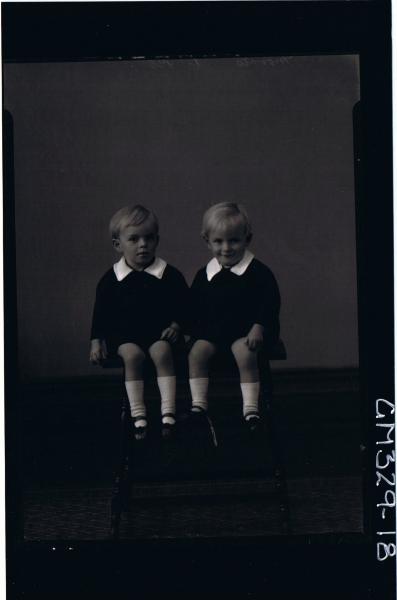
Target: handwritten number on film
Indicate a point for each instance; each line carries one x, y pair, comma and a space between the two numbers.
384, 464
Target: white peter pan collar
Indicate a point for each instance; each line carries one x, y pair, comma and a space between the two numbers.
157, 268
240, 268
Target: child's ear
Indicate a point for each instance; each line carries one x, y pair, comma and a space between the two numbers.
249, 238
116, 244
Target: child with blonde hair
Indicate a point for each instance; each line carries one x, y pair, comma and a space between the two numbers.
235, 304
138, 313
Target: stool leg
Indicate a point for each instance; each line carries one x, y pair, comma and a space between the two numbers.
278, 460
121, 481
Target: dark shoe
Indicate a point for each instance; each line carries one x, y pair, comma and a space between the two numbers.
168, 429
198, 416
254, 424
201, 426
140, 432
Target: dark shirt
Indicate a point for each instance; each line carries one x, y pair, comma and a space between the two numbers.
139, 307
226, 307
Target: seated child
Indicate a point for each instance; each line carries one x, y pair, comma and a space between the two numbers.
138, 312
235, 304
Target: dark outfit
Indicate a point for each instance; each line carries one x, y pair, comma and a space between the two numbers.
138, 308
226, 307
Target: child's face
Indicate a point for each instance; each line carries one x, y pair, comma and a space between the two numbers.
138, 244
228, 244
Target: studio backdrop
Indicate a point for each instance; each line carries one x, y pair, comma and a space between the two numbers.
275, 134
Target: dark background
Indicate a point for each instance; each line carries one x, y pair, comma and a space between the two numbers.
275, 133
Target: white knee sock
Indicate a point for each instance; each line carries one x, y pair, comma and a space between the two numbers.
137, 405
250, 393
167, 387
199, 391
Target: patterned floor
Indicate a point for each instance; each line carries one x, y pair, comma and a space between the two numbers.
317, 506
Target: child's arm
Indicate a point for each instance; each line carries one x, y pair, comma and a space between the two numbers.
98, 351
254, 339
265, 309
194, 304
178, 295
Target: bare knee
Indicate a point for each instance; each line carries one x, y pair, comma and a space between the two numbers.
246, 359
199, 358
132, 355
161, 354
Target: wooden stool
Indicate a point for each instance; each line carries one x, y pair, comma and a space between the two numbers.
225, 370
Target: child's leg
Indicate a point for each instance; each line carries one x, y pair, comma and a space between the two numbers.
199, 359
161, 355
247, 362
133, 358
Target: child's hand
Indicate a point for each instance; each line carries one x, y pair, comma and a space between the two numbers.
98, 352
254, 338
171, 333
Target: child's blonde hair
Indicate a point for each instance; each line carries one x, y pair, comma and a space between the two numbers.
223, 215
131, 215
